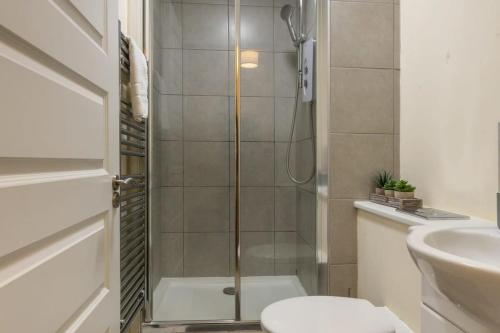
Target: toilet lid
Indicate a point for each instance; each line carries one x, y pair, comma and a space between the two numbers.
324, 314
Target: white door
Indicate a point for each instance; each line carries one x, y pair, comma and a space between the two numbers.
59, 242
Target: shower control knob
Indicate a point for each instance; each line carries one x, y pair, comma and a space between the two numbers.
306, 70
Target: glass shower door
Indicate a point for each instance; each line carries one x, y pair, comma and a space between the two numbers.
277, 215
192, 238
228, 236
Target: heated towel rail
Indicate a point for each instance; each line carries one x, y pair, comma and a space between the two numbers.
131, 197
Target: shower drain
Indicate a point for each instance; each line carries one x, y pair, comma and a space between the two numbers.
229, 291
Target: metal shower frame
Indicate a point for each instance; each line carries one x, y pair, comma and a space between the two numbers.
322, 108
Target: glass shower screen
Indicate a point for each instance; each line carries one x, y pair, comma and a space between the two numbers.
230, 232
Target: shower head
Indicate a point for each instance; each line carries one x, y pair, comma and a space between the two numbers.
286, 12
286, 15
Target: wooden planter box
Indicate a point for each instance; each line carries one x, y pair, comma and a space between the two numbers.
407, 204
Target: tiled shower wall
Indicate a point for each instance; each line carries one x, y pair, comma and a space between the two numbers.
195, 83
364, 127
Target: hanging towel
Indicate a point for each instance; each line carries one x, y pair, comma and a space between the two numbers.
138, 81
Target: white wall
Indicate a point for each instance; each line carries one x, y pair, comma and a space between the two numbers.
130, 15
450, 102
123, 14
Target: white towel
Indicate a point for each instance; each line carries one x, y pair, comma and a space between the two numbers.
138, 81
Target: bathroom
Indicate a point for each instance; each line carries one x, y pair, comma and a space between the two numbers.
247, 166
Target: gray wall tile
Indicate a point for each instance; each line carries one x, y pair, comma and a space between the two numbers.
286, 209
397, 101
206, 118
283, 109
305, 164
155, 27
280, 167
257, 253
286, 253
156, 250
303, 128
310, 13
171, 258
257, 119
157, 70
206, 164
256, 209
268, 3
205, 72
172, 203
362, 100
306, 266
204, 27
342, 232
257, 164
364, 40
374, 1
170, 110
171, 163
171, 25
306, 217
195, 74
281, 3
362, 34
256, 28
155, 113
213, 2
171, 71
285, 74
206, 209
206, 254
354, 160
343, 280
397, 37
254, 2
232, 251
254, 82
397, 157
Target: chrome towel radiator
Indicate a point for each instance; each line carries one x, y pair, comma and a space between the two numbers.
130, 194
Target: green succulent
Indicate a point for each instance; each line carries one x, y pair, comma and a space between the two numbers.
382, 178
404, 186
390, 184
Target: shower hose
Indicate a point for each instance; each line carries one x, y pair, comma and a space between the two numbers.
289, 147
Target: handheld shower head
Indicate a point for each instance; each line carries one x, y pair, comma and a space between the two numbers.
286, 12
286, 15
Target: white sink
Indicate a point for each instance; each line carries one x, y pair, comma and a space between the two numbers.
463, 264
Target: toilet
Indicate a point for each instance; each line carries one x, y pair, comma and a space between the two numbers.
328, 314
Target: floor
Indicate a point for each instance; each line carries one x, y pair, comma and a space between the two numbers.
203, 299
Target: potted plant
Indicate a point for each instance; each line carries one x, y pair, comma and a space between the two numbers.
404, 190
389, 188
381, 179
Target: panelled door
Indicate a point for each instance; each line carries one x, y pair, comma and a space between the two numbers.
59, 241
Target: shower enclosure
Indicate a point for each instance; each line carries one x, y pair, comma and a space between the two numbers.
232, 160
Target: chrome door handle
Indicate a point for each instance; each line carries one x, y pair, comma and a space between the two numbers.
117, 182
